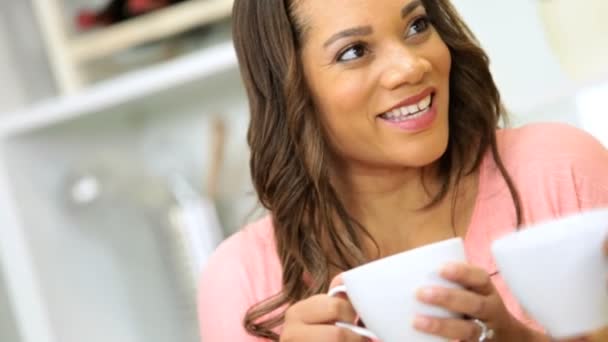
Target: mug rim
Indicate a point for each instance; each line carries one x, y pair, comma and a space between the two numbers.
574, 222
411, 252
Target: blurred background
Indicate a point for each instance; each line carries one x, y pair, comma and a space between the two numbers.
123, 159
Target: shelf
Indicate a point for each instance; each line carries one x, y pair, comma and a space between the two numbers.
68, 54
147, 28
121, 90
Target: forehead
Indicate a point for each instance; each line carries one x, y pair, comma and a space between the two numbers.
321, 16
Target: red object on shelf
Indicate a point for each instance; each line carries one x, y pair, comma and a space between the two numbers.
144, 6
119, 10
87, 19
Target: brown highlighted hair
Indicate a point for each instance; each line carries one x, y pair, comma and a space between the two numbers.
289, 154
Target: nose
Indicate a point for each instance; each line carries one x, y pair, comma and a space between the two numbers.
404, 66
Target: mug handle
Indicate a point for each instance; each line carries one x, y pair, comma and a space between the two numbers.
354, 328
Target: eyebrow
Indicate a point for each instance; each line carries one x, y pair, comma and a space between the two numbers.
355, 31
409, 8
367, 30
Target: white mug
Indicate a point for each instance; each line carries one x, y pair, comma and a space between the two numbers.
558, 273
383, 292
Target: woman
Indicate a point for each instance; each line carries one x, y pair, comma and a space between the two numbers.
373, 131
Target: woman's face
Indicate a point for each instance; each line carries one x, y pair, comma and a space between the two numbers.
379, 76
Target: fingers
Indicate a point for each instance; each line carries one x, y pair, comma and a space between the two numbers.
469, 276
313, 320
321, 309
456, 300
453, 329
320, 333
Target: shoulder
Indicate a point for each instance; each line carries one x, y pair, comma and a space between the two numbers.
556, 165
550, 144
258, 234
243, 271
242, 252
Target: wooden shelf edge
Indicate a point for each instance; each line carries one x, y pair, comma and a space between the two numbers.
154, 26
113, 93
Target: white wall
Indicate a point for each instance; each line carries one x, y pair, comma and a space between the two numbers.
523, 40
25, 75
8, 328
11, 87
591, 105
11, 97
522, 62
578, 31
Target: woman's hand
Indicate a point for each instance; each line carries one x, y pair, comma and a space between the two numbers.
478, 300
313, 319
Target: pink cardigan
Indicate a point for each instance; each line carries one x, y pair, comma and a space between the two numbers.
557, 170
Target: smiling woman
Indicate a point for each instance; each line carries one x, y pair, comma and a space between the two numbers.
374, 130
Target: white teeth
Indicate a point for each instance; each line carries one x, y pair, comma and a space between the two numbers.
424, 103
410, 111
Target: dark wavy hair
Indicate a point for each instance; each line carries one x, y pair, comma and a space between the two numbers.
290, 155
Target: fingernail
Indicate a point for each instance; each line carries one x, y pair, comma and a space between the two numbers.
451, 270
423, 323
428, 294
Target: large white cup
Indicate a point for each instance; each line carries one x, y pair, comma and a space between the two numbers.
557, 272
383, 292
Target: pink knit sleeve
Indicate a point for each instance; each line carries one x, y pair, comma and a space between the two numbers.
566, 169
589, 169
225, 294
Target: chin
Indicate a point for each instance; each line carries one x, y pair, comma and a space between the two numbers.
423, 157
425, 150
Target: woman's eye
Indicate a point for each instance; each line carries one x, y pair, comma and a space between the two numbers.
352, 53
419, 26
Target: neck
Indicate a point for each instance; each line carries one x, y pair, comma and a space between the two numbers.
392, 204
408, 189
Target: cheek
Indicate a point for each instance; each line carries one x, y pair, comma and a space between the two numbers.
438, 54
442, 59
346, 95
345, 107
345, 112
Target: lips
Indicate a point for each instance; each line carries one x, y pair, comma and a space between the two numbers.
415, 114
409, 111
410, 107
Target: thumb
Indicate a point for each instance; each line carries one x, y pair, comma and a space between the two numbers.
336, 281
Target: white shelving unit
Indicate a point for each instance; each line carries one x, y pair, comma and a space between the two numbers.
68, 53
106, 272
140, 85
